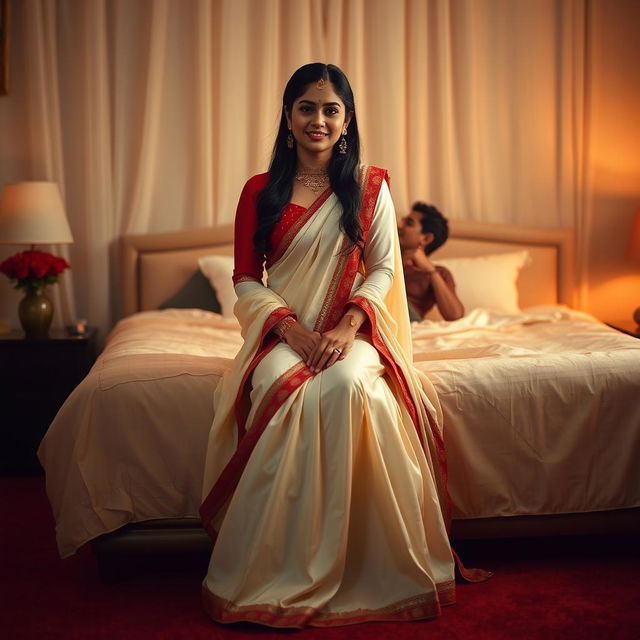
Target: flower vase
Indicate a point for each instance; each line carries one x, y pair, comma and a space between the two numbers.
35, 312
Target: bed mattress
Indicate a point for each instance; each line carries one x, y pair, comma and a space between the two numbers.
541, 415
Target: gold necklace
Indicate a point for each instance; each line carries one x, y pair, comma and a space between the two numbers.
315, 181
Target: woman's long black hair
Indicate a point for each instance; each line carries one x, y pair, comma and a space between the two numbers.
343, 168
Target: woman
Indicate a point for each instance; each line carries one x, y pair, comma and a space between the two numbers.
322, 478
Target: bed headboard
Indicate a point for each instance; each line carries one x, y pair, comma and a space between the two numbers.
155, 265
549, 278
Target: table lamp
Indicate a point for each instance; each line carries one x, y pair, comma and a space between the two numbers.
32, 213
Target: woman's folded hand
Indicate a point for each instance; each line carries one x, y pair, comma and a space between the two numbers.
301, 340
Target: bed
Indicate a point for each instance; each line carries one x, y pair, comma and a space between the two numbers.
540, 403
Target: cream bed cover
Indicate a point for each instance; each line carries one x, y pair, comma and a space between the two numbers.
541, 415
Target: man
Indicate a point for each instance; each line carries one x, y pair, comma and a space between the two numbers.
421, 232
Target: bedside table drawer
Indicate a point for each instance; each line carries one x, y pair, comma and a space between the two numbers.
41, 366
36, 378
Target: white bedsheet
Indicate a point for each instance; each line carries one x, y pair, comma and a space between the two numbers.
541, 411
541, 415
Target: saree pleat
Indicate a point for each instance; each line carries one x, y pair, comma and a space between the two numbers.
325, 506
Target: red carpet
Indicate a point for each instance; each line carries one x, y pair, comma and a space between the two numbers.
561, 588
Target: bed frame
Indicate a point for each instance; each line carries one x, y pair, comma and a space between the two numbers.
155, 266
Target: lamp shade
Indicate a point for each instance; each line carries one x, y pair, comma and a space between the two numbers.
33, 213
633, 248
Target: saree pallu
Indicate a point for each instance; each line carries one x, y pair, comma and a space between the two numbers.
323, 492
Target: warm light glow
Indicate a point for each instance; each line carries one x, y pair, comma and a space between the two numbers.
633, 248
615, 298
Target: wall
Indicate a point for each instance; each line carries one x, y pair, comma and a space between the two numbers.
14, 155
614, 154
611, 143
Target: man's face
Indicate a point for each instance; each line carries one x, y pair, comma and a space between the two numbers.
410, 231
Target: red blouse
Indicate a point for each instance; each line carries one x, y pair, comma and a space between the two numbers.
248, 263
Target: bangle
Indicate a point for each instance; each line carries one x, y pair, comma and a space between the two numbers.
283, 326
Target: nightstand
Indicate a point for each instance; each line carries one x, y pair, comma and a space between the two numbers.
36, 376
626, 326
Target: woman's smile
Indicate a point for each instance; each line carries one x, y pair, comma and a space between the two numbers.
317, 135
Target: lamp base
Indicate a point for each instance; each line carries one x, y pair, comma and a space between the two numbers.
35, 312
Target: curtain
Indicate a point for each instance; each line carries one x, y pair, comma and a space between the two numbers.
152, 114
40, 139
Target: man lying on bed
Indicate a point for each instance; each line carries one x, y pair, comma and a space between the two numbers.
421, 232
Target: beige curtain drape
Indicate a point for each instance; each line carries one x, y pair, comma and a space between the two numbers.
152, 114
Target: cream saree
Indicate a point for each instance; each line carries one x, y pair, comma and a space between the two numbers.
324, 493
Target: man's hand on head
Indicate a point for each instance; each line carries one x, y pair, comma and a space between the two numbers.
419, 261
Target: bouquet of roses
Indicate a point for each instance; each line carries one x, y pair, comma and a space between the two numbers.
33, 269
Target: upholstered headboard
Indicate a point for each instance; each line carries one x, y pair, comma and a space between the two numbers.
549, 277
155, 265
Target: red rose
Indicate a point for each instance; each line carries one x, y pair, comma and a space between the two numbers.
32, 266
38, 266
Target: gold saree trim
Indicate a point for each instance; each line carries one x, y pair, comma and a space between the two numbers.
418, 607
268, 342
226, 484
348, 264
245, 278
329, 300
279, 391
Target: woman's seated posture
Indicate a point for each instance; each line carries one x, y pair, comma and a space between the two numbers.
324, 484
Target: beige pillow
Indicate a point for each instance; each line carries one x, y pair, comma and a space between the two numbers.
219, 272
488, 281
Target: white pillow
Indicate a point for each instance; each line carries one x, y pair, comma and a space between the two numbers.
219, 272
487, 281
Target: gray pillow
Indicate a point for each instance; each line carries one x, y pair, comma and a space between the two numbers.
196, 293
414, 316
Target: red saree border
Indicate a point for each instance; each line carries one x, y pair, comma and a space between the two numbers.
468, 574
295, 228
267, 342
345, 272
331, 311
419, 607
228, 480
391, 364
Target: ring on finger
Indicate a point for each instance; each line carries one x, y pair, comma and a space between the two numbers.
336, 350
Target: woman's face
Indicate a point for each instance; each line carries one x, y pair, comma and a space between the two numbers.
317, 119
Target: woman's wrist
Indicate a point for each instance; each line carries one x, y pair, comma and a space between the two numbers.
353, 318
283, 327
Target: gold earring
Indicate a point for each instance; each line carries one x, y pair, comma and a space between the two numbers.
290, 140
342, 145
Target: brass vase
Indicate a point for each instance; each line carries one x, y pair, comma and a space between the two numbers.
35, 312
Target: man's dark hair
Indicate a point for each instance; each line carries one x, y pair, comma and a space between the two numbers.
432, 222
